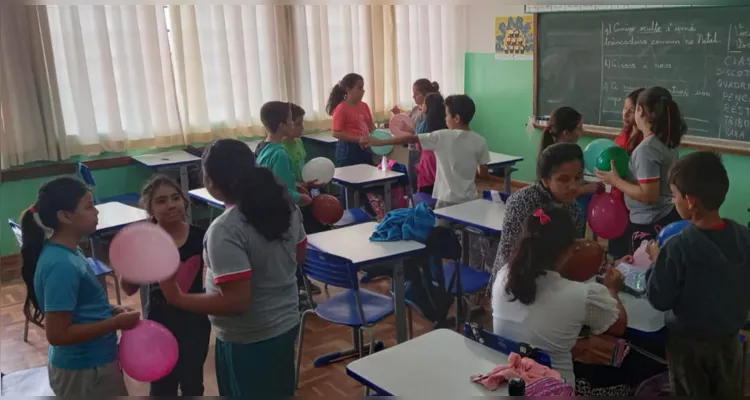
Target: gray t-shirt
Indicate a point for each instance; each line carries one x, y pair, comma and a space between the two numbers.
235, 250
651, 162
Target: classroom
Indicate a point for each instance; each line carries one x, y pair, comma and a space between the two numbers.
396, 200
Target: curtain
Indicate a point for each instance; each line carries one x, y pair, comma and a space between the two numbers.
31, 128
115, 77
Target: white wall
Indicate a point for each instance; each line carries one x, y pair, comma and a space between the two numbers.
482, 24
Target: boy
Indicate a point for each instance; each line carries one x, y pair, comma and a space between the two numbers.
701, 277
460, 152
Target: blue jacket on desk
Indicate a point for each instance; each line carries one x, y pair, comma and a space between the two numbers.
405, 224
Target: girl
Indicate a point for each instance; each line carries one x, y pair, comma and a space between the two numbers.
251, 251
532, 303
62, 290
631, 136
646, 190
165, 203
433, 108
421, 89
352, 120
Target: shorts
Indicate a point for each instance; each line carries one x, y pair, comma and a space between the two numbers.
104, 381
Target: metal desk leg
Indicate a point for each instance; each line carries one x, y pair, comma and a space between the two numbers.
185, 185
387, 196
354, 199
506, 175
101, 278
465, 259
398, 293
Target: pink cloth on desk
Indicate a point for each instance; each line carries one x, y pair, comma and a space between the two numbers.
518, 367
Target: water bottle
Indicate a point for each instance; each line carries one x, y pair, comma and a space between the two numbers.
516, 387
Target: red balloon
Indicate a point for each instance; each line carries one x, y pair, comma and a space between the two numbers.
327, 209
587, 259
608, 216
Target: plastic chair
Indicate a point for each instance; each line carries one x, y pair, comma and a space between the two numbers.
353, 216
85, 174
357, 308
420, 198
506, 346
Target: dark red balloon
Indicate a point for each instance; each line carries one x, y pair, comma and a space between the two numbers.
327, 209
587, 259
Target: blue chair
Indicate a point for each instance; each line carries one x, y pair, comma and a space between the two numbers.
505, 346
353, 216
472, 280
84, 173
420, 198
357, 308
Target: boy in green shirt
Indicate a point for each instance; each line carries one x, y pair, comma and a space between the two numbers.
293, 144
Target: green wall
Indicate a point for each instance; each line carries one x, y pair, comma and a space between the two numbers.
503, 92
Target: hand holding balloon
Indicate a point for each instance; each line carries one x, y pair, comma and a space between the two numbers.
653, 250
609, 177
171, 290
126, 320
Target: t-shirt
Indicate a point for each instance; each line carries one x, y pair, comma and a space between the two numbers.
354, 120
651, 162
458, 154
274, 156
296, 151
235, 250
64, 281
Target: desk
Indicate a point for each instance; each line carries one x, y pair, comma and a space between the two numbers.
114, 215
506, 162
253, 145
176, 159
361, 176
436, 365
353, 243
203, 195
325, 138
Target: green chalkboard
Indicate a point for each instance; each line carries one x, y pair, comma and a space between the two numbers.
592, 60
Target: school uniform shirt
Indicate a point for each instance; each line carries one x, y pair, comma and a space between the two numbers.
650, 163
458, 153
554, 320
273, 155
64, 282
354, 120
296, 150
235, 250
416, 116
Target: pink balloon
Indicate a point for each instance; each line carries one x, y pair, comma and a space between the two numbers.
607, 216
187, 271
640, 257
148, 352
144, 253
401, 125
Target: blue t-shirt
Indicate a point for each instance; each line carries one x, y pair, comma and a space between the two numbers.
64, 281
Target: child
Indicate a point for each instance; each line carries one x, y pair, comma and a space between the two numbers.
701, 277
251, 251
165, 203
460, 152
646, 189
62, 291
277, 119
631, 136
433, 107
532, 303
352, 120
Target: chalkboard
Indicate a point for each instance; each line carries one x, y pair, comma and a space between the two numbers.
592, 60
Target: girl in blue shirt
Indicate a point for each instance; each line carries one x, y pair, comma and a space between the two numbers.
63, 291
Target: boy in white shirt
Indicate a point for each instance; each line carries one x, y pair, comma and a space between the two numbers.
460, 152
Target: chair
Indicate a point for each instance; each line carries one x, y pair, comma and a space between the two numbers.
353, 216
357, 308
85, 174
506, 346
419, 198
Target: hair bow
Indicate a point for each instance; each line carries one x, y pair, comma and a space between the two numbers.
544, 219
32, 208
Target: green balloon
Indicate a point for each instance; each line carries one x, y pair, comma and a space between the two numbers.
616, 154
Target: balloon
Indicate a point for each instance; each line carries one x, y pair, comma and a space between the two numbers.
318, 169
327, 209
401, 125
640, 257
585, 262
616, 154
144, 253
671, 230
148, 352
607, 216
381, 150
187, 272
593, 151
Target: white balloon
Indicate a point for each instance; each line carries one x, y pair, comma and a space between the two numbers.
318, 169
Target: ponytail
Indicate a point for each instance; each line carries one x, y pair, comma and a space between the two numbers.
562, 119
33, 237
548, 139
664, 115
338, 93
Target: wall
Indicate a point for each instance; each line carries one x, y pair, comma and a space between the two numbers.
503, 91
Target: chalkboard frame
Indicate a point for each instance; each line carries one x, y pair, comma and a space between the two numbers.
599, 131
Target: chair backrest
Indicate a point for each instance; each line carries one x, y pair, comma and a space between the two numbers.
330, 270
16, 231
505, 346
85, 174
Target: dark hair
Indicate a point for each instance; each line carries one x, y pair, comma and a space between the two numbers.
560, 120
153, 184
60, 194
543, 240
702, 175
273, 114
556, 155
297, 111
265, 203
461, 105
338, 93
664, 115
636, 136
425, 86
435, 115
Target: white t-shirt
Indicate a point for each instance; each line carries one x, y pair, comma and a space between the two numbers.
458, 154
555, 318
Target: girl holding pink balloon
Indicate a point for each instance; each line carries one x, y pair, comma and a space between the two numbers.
166, 204
251, 253
63, 292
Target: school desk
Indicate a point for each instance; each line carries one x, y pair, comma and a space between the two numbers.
253, 145
203, 196
171, 160
362, 176
436, 365
324, 138
506, 163
32, 382
353, 243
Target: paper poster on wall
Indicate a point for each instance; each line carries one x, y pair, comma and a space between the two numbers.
514, 38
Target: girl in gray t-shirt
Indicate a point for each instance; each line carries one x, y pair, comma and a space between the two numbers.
646, 188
